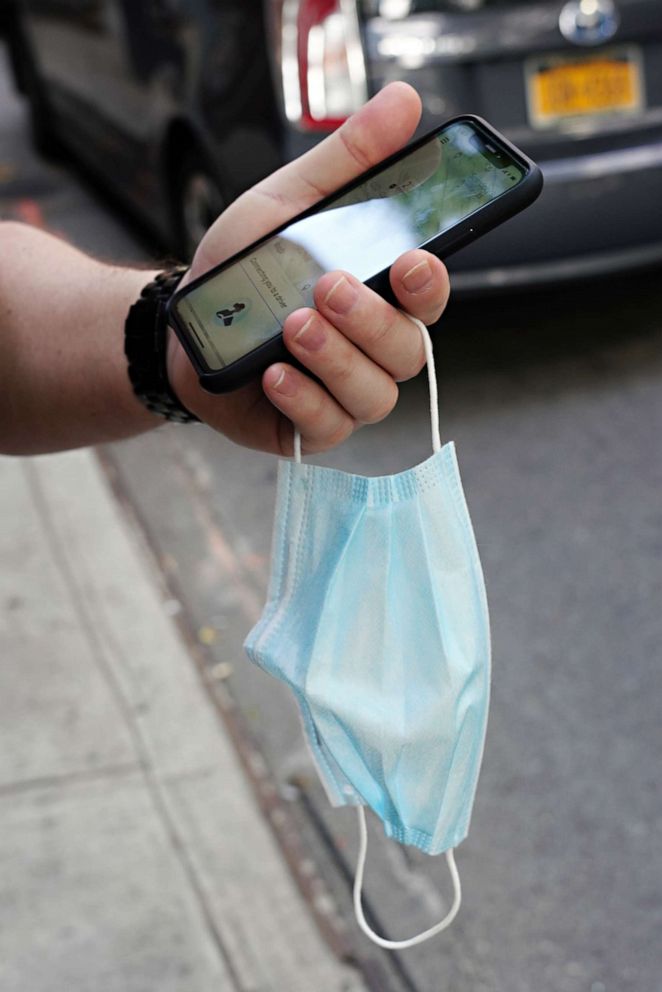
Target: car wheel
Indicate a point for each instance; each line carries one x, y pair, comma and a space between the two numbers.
199, 201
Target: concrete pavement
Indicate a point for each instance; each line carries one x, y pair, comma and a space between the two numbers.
133, 855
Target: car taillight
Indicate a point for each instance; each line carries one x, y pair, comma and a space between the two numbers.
322, 65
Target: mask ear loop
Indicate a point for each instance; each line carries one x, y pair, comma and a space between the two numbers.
432, 383
432, 380
419, 938
394, 945
363, 831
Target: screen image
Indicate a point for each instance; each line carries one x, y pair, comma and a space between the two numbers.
362, 231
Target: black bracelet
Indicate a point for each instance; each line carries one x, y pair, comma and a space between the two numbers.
145, 346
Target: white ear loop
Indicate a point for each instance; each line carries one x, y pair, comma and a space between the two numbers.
297, 446
419, 938
432, 382
363, 832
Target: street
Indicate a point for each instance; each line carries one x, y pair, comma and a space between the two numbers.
554, 401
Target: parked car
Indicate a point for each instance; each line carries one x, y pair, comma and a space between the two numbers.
170, 103
181, 106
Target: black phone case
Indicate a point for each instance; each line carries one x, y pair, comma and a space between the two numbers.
249, 366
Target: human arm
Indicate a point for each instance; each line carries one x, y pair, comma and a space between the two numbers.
63, 380
63, 373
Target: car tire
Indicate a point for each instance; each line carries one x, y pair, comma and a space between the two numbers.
198, 202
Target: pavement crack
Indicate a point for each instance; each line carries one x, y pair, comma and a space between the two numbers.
69, 778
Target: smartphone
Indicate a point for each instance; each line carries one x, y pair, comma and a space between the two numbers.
439, 193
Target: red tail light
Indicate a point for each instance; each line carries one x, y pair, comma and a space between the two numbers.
322, 66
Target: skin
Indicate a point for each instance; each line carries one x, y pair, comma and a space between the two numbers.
63, 380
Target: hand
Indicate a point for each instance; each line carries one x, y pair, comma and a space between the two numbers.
358, 345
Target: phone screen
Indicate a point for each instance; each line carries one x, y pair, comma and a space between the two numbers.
362, 231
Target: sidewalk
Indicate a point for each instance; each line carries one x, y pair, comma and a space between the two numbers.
132, 854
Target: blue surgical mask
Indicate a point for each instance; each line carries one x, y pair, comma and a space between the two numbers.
377, 620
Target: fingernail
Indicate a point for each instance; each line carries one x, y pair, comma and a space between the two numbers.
341, 296
279, 379
311, 336
417, 278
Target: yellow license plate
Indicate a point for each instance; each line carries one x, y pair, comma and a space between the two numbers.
559, 88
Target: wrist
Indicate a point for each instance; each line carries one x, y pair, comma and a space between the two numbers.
181, 374
148, 347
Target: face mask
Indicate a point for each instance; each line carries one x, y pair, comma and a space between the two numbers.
377, 619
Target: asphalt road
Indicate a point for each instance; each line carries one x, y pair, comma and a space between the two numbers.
555, 404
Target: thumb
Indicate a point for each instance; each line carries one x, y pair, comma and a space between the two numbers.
382, 126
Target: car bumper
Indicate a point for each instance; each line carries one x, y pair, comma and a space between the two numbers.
571, 269
597, 214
